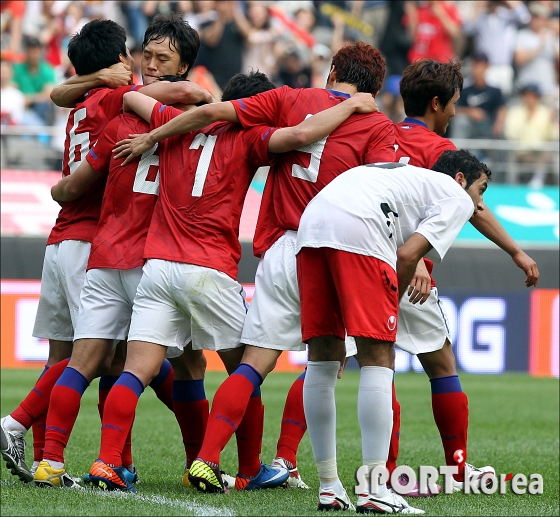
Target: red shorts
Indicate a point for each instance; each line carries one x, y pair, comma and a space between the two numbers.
342, 292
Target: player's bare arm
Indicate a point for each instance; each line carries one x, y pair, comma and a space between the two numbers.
71, 187
489, 226
321, 124
68, 93
421, 284
188, 121
408, 256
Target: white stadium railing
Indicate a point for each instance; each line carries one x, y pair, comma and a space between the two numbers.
32, 147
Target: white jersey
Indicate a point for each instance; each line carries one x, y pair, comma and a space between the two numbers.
373, 209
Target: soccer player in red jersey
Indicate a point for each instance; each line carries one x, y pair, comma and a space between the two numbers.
99, 44
189, 289
273, 322
430, 91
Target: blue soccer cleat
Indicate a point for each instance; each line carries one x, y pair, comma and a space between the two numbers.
267, 477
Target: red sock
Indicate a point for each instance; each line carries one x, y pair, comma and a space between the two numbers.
228, 408
451, 414
105, 384
249, 436
118, 416
162, 384
36, 404
39, 438
66, 397
395, 434
191, 407
294, 424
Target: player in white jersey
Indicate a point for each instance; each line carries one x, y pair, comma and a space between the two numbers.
358, 245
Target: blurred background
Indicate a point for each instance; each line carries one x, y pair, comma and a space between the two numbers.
508, 115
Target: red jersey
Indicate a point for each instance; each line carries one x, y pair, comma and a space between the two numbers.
417, 145
77, 219
130, 197
299, 175
204, 179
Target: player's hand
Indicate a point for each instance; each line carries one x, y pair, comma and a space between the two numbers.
421, 285
342, 366
132, 147
529, 266
116, 75
363, 103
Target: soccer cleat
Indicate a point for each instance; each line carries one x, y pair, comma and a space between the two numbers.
107, 477
229, 481
294, 480
472, 472
131, 474
206, 478
12, 447
415, 491
47, 476
329, 501
267, 477
390, 503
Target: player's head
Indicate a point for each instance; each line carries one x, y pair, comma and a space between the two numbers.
246, 85
465, 168
170, 47
99, 44
431, 88
360, 65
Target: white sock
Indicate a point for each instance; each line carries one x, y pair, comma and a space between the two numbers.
10, 424
320, 414
375, 415
35, 464
57, 465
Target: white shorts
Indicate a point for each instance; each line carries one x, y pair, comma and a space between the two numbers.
64, 270
177, 301
106, 303
273, 320
422, 328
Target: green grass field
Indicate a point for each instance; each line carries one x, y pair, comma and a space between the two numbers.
513, 427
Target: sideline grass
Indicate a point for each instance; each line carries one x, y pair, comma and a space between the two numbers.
513, 427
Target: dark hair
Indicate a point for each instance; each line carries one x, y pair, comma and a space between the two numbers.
182, 37
97, 45
246, 85
360, 65
427, 78
452, 162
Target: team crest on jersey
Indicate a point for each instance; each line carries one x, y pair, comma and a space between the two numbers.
392, 322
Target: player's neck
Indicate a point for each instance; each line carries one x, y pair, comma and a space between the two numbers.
342, 87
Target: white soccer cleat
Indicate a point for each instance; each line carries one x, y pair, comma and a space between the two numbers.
294, 480
472, 472
390, 503
330, 501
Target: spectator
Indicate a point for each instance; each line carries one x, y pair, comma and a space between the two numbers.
12, 13
136, 19
481, 109
293, 71
36, 78
536, 54
531, 122
390, 100
434, 26
494, 29
12, 101
222, 42
395, 41
259, 46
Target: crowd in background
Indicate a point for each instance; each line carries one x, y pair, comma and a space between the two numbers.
509, 49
